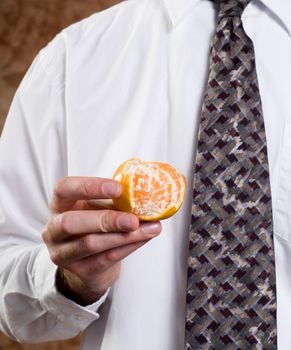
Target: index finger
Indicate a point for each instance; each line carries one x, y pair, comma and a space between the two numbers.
72, 188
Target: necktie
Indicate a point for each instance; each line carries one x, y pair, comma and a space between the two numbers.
231, 294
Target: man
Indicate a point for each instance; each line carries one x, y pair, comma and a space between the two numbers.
127, 81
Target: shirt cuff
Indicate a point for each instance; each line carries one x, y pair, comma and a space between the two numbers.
56, 303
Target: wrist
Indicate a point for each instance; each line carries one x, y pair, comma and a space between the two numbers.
71, 286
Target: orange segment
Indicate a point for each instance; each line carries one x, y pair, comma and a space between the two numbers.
151, 190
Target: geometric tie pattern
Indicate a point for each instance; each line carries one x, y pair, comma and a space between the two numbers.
231, 291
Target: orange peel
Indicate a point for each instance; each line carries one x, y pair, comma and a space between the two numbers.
151, 190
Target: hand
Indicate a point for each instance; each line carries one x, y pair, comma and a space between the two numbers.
87, 239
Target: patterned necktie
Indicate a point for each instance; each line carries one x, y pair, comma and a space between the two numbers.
231, 294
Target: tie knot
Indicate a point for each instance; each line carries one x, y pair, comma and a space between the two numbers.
231, 8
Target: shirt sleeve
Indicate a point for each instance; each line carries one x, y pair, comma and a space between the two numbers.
32, 157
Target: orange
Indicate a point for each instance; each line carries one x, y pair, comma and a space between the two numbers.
151, 190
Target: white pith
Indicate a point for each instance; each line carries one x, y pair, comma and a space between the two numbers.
150, 208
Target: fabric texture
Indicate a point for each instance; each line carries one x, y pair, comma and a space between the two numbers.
231, 293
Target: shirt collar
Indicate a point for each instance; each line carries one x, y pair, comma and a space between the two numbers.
280, 8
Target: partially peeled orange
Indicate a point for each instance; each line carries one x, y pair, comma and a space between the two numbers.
151, 190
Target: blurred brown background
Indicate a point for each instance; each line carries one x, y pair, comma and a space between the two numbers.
25, 27
28, 25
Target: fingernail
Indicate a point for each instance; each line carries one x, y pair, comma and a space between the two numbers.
152, 228
125, 222
111, 189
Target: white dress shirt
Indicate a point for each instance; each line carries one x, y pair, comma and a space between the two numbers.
128, 82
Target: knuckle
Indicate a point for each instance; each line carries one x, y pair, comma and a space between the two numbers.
134, 221
88, 188
112, 256
118, 220
105, 221
65, 222
59, 185
88, 243
45, 235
